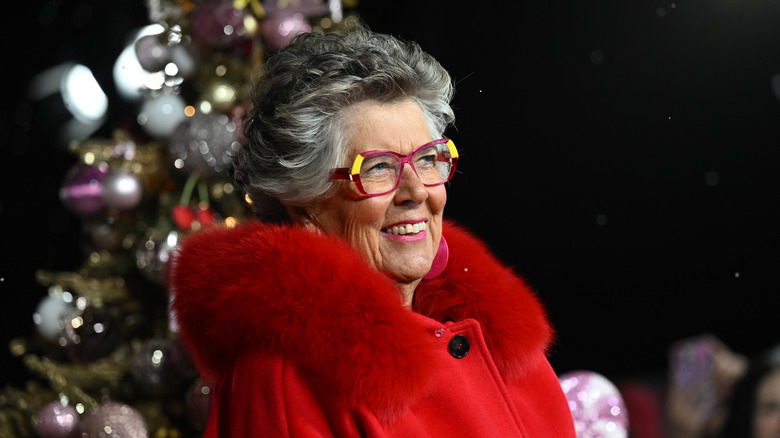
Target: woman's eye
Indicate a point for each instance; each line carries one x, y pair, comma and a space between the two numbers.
377, 167
427, 160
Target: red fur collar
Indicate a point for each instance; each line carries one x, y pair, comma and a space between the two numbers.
284, 289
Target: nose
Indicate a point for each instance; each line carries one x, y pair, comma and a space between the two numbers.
411, 189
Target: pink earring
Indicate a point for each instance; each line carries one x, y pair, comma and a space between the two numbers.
440, 261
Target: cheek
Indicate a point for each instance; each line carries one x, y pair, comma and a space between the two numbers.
361, 221
347, 215
369, 214
436, 201
437, 198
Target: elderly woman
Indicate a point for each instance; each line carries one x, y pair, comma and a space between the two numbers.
343, 311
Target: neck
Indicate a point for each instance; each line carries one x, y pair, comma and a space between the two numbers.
407, 292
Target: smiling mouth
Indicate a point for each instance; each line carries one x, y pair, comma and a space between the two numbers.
406, 229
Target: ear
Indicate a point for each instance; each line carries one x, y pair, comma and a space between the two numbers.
301, 216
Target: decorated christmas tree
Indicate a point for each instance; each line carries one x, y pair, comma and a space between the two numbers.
104, 359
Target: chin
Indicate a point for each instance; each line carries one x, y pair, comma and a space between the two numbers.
408, 274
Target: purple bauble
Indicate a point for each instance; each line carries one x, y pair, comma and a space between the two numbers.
309, 8
82, 191
95, 336
218, 24
122, 190
596, 405
57, 420
120, 419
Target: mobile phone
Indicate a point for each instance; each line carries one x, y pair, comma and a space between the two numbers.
692, 366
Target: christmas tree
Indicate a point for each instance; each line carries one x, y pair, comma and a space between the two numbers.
104, 359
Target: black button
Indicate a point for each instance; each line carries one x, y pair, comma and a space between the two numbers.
459, 346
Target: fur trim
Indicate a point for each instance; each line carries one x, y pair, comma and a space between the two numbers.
285, 289
475, 285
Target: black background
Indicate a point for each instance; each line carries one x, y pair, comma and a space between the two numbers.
621, 155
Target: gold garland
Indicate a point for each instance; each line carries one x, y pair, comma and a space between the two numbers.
96, 290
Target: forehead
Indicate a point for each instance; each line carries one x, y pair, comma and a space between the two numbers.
396, 126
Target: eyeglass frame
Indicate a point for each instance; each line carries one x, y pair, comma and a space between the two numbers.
353, 173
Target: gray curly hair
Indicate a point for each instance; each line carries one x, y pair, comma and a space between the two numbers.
295, 130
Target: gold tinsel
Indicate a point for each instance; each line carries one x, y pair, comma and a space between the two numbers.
19, 409
145, 160
96, 290
59, 375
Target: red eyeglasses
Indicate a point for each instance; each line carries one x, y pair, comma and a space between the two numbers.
379, 172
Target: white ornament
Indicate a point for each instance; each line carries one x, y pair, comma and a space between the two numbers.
52, 310
160, 116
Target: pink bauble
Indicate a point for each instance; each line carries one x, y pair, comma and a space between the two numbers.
279, 29
82, 191
56, 420
120, 419
596, 405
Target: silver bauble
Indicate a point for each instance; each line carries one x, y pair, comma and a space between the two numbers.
153, 254
204, 142
122, 190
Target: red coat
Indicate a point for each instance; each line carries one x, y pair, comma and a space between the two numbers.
303, 339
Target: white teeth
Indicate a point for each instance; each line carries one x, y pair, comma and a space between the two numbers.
407, 229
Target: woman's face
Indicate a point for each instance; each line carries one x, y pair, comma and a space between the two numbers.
365, 221
766, 418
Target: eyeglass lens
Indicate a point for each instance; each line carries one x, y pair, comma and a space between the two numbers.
380, 172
